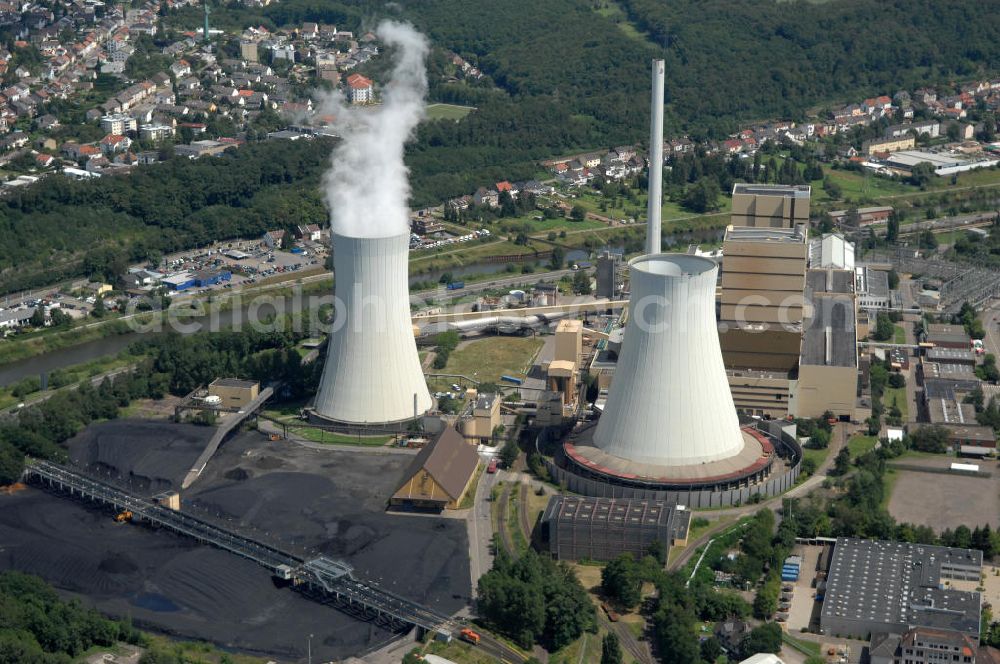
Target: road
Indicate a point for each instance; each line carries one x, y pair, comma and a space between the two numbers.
480, 530
991, 321
837, 441
45, 396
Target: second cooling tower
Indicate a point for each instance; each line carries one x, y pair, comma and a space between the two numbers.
669, 403
372, 373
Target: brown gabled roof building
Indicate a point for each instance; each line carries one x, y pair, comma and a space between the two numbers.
440, 475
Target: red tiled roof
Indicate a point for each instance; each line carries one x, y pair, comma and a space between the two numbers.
358, 82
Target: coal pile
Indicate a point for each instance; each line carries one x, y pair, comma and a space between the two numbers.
145, 456
328, 502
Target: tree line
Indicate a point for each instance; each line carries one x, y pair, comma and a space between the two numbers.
173, 364
39, 628
65, 228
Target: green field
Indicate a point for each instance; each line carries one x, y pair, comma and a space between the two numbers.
485, 360
330, 438
819, 456
612, 10
448, 112
897, 394
899, 334
859, 445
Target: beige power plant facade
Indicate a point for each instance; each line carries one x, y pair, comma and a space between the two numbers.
788, 334
770, 205
763, 280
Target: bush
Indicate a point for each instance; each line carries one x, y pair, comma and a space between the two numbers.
897, 380
930, 439
621, 581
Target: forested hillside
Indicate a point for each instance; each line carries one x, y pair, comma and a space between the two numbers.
753, 59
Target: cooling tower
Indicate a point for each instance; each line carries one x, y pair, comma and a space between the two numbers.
669, 403
372, 373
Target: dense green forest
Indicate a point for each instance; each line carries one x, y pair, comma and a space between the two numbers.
36, 627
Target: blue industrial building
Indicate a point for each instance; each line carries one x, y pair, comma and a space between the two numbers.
185, 280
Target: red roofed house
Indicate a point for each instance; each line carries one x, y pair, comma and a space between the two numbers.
508, 187
113, 143
360, 90
44, 160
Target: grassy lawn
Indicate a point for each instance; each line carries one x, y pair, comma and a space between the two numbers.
819, 456
809, 648
330, 438
856, 186
899, 334
897, 395
513, 524
889, 482
459, 651
488, 359
470, 496
612, 10
859, 445
448, 112
201, 653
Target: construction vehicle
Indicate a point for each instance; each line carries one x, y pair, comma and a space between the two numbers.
470, 636
122, 517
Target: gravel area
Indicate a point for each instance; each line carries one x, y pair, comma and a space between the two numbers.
301, 499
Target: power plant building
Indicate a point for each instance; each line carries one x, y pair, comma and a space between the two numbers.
669, 428
763, 281
372, 375
770, 205
581, 528
828, 366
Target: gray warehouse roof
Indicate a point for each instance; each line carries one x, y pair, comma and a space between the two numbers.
764, 234
831, 338
786, 190
950, 355
901, 584
939, 333
830, 281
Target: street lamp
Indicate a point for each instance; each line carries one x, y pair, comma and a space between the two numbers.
310, 649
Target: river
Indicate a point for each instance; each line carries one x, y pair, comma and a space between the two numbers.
91, 350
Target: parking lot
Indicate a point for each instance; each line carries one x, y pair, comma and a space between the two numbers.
804, 608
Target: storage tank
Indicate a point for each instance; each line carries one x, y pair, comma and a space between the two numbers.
372, 373
669, 403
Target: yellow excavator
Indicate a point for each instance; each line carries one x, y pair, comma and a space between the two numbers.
122, 517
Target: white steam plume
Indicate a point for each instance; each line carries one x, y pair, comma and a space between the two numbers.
367, 187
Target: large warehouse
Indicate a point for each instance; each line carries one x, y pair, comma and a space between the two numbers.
879, 586
582, 528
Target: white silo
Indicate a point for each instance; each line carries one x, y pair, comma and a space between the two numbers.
372, 373
669, 403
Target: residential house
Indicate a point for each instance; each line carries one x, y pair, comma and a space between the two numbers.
311, 232
274, 239
508, 187
114, 143
488, 197
360, 90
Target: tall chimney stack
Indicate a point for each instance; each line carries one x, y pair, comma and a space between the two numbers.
654, 243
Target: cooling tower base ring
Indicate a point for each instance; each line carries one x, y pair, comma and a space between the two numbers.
750, 467
370, 428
